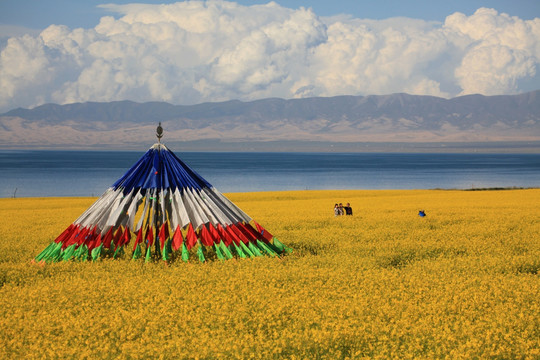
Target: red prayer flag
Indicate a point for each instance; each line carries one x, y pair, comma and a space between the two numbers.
138, 240
191, 237
255, 233
232, 237
177, 238
215, 233
224, 235
265, 234
96, 243
238, 233
72, 237
66, 234
107, 239
117, 236
126, 237
247, 232
163, 234
83, 236
206, 238
150, 236
90, 239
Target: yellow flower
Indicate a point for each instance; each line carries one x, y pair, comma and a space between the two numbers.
460, 283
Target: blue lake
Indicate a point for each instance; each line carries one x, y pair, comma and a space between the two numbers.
90, 173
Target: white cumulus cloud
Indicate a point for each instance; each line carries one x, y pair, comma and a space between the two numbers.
196, 51
497, 51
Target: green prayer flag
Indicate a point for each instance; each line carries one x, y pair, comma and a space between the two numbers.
265, 248
239, 251
96, 252
165, 252
56, 253
77, 252
281, 247
68, 252
138, 252
118, 252
255, 250
219, 254
51, 253
226, 250
82, 253
185, 253
200, 254
44, 254
148, 253
246, 249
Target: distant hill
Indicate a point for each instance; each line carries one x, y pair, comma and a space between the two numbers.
396, 118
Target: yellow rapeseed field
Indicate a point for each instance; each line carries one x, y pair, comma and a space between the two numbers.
460, 283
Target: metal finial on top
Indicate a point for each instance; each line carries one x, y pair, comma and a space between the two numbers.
159, 132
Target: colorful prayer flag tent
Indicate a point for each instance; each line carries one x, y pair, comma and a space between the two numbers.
161, 208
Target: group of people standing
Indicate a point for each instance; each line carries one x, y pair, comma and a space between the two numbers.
339, 209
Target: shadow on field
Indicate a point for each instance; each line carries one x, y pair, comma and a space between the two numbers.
307, 249
404, 257
528, 267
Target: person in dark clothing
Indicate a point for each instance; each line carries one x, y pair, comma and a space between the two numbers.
348, 209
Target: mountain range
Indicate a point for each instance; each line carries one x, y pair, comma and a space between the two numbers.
279, 124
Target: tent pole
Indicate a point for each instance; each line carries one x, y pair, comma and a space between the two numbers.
157, 224
159, 135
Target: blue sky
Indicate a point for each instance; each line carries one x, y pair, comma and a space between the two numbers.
38, 14
65, 51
